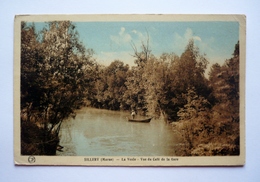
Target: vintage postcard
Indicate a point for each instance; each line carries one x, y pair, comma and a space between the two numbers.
129, 90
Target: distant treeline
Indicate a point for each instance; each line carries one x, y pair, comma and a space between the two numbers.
59, 75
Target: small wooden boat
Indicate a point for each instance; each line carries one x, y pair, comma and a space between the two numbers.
140, 120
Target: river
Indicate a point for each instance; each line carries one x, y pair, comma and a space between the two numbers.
99, 132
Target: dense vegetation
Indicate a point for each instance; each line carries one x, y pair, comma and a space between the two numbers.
211, 126
57, 73
59, 76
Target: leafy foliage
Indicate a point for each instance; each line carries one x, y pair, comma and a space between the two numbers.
216, 131
110, 86
59, 76
56, 74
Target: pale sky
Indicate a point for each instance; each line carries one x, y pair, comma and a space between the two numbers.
112, 40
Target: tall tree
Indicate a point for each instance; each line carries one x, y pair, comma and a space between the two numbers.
216, 131
187, 72
57, 78
224, 81
135, 93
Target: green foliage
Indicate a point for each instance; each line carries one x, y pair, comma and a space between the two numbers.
110, 86
56, 74
59, 76
155, 86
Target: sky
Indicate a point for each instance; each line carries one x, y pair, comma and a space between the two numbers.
112, 40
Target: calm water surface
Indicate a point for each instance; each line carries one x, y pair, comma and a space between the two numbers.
98, 132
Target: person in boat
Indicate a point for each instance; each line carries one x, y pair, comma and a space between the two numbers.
133, 114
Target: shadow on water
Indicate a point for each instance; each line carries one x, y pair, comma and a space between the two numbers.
98, 132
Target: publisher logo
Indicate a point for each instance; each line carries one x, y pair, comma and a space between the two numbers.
31, 159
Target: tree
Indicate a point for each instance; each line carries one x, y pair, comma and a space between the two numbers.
134, 96
224, 81
185, 72
196, 105
190, 70
56, 75
110, 86
135, 93
212, 130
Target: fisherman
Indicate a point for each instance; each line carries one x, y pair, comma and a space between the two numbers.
133, 114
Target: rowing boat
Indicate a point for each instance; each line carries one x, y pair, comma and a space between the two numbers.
140, 120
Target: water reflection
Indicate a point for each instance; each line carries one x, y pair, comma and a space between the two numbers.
96, 132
